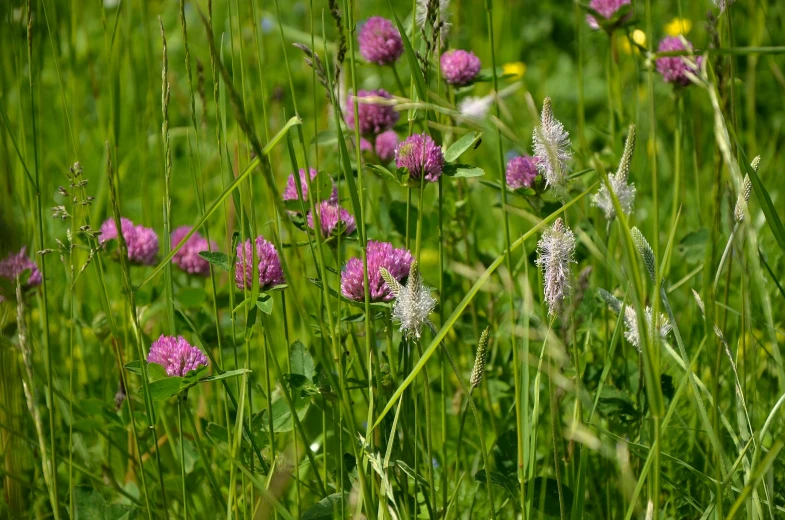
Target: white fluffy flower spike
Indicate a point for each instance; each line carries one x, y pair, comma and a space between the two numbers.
632, 333
618, 182
413, 302
552, 149
556, 251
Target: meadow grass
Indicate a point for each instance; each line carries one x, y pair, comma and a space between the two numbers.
594, 332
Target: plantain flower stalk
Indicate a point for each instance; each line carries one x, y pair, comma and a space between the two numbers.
413, 302
618, 183
552, 149
479, 359
556, 251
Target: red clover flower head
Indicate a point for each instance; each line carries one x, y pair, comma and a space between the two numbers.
521, 172
374, 117
187, 258
142, 242
422, 156
385, 145
380, 42
15, 264
176, 355
674, 68
555, 253
330, 215
269, 266
290, 192
380, 254
607, 8
459, 67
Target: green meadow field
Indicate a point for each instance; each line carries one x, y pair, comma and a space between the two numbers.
421, 259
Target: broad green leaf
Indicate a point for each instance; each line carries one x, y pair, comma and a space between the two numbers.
505, 453
265, 303
135, 367
383, 172
218, 259
508, 482
225, 375
461, 145
165, 388
322, 186
282, 417
462, 171
693, 245
327, 508
89, 504
301, 361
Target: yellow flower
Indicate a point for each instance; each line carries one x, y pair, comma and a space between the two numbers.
678, 26
516, 69
638, 36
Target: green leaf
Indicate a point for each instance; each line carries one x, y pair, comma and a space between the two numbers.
135, 367
545, 496
193, 377
225, 375
693, 245
322, 187
89, 504
409, 471
461, 145
505, 453
462, 171
326, 508
383, 172
165, 388
301, 361
282, 416
617, 404
218, 259
508, 482
265, 303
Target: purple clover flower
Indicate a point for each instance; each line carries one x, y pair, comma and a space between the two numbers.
422, 156
460, 67
380, 42
269, 267
521, 172
187, 258
142, 242
15, 264
290, 192
380, 254
329, 217
385, 145
607, 8
374, 118
177, 356
674, 68
365, 145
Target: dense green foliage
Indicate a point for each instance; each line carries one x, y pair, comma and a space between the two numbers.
316, 406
